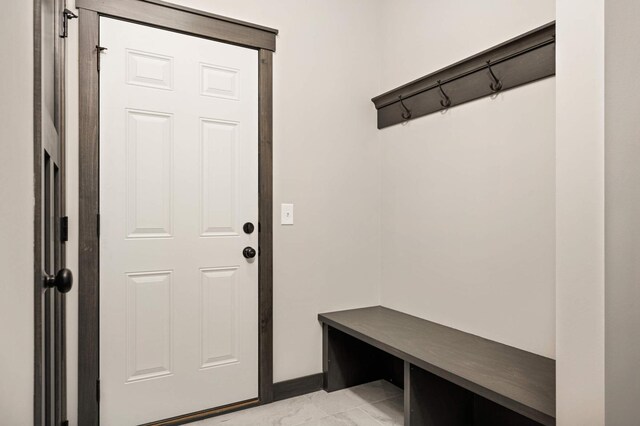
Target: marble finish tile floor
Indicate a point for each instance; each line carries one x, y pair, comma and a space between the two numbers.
372, 404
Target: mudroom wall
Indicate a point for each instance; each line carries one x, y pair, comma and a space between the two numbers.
468, 195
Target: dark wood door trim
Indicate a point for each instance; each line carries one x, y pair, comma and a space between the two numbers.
38, 367
89, 255
88, 247
186, 20
265, 223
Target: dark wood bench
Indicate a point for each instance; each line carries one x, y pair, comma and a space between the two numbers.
449, 377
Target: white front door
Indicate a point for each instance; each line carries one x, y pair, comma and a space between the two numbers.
178, 180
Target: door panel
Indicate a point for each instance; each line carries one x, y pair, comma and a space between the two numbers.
178, 178
51, 280
149, 167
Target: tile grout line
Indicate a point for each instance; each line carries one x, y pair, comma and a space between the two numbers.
379, 401
369, 416
357, 407
373, 405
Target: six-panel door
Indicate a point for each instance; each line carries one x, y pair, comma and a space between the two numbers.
178, 180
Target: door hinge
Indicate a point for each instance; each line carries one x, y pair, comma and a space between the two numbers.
64, 25
99, 50
98, 390
64, 229
98, 224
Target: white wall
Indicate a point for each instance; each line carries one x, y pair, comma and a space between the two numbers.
580, 212
326, 162
16, 215
468, 204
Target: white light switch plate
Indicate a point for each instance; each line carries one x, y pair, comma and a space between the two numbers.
286, 214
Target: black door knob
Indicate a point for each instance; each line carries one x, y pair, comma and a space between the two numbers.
248, 228
63, 280
249, 252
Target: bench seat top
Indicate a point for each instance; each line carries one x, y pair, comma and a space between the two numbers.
519, 380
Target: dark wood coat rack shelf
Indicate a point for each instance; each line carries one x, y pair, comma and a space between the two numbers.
521, 60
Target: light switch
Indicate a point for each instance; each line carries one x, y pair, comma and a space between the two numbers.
286, 214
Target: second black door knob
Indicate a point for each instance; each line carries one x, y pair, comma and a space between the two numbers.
249, 252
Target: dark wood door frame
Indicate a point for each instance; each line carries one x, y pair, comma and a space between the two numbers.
171, 17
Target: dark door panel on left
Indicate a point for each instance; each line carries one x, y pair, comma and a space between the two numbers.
52, 280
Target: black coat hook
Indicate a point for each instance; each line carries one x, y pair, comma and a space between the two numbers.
445, 101
496, 85
406, 114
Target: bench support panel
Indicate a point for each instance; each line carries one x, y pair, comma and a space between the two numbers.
348, 362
